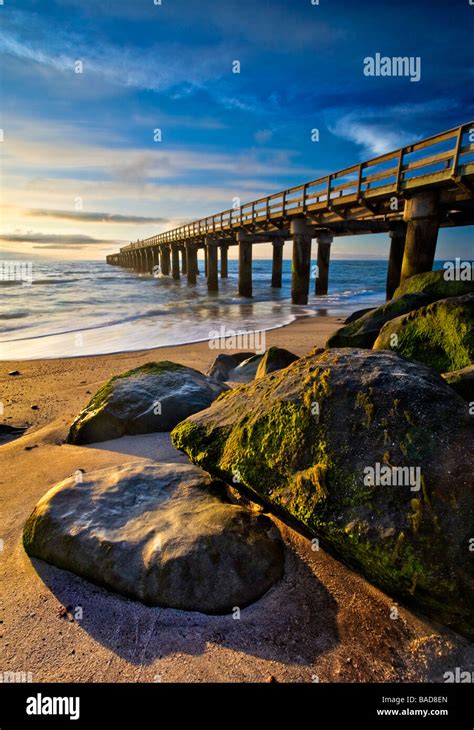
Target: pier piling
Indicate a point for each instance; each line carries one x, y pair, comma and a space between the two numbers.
324, 239
277, 264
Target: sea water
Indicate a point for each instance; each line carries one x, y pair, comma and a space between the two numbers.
73, 309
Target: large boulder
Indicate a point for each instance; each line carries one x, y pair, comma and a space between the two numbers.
358, 314
246, 370
440, 335
363, 331
224, 364
435, 284
462, 381
275, 358
159, 534
371, 453
153, 397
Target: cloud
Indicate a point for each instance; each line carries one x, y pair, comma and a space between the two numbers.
56, 239
85, 217
383, 129
156, 68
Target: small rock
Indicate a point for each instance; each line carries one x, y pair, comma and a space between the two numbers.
14, 372
34, 407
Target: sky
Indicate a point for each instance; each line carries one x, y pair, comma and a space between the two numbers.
85, 84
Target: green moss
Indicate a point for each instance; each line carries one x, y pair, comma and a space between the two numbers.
363, 400
440, 335
434, 284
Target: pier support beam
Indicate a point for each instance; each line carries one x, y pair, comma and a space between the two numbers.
175, 262
148, 260
184, 261
245, 266
301, 263
324, 239
155, 259
165, 260
211, 260
422, 218
224, 257
277, 263
191, 262
397, 248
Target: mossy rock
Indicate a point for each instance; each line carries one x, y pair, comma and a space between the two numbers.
440, 335
364, 330
301, 440
463, 382
435, 284
275, 358
153, 397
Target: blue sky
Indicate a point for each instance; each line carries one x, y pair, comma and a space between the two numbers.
81, 172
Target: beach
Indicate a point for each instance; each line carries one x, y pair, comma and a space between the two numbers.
321, 622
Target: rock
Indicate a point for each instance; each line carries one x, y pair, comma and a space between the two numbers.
364, 330
153, 397
14, 372
462, 381
9, 433
435, 284
357, 314
307, 441
158, 534
223, 364
34, 407
246, 370
440, 335
275, 358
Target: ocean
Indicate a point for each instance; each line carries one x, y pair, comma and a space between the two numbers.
73, 309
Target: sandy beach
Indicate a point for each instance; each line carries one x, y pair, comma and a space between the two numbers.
322, 622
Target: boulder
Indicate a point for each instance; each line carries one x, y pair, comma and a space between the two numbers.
224, 364
275, 358
357, 314
435, 284
370, 452
153, 397
462, 381
246, 370
364, 330
440, 335
158, 534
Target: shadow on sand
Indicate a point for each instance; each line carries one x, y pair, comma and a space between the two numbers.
293, 623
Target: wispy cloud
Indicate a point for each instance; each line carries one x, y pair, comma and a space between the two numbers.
381, 130
56, 239
92, 217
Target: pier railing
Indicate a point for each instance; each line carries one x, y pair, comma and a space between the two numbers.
434, 161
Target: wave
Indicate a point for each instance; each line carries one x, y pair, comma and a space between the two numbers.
19, 314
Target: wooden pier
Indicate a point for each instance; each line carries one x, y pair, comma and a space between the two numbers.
408, 193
